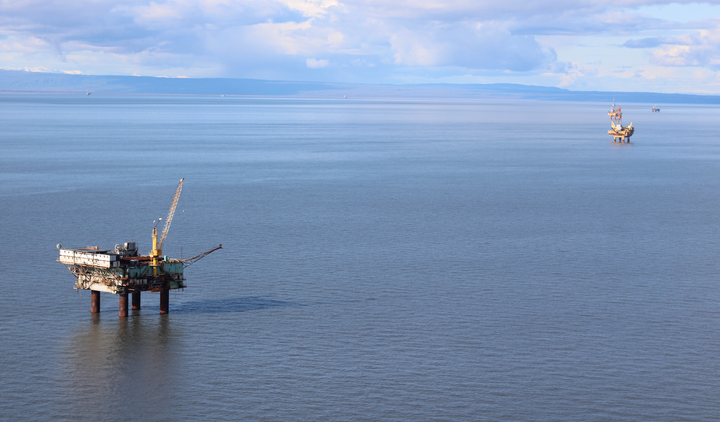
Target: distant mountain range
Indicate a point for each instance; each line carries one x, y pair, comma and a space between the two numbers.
21, 81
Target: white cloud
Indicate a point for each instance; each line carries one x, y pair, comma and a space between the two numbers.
42, 69
571, 74
468, 45
365, 40
152, 14
316, 64
699, 49
313, 8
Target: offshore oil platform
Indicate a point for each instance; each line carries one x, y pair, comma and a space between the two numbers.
618, 132
123, 272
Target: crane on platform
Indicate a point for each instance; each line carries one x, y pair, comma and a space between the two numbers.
157, 246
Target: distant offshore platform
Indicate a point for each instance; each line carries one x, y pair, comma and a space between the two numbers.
618, 132
122, 271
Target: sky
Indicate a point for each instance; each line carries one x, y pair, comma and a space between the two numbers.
603, 45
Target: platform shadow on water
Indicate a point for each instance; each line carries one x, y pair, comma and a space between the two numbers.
235, 304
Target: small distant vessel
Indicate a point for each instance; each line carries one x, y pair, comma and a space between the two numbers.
344, 96
88, 93
618, 132
223, 95
655, 109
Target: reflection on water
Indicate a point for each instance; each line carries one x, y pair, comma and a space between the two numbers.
119, 369
130, 368
234, 304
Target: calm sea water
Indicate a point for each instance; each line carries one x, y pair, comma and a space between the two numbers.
382, 260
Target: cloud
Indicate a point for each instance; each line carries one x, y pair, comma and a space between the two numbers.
701, 49
645, 42
571, 74
216, 32
41, 69
468, 45
311, 8
316, 64
359, 40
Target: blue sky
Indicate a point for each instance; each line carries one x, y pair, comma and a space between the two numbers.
629, 45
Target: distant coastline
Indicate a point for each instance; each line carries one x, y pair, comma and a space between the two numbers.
17, 82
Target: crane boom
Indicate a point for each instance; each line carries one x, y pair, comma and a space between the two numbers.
171, 213
189, 261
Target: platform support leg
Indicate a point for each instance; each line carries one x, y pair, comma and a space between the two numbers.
94, 302
164, 301
123, 305
135, 301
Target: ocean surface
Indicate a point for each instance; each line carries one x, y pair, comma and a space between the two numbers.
382, 260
